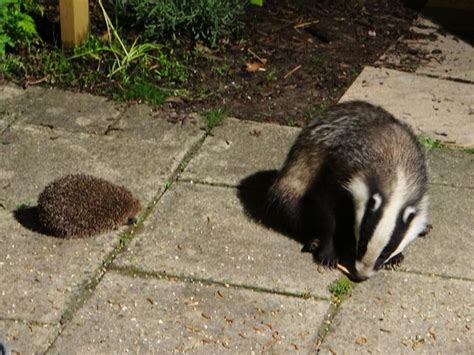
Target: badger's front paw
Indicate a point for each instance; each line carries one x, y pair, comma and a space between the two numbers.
394, 262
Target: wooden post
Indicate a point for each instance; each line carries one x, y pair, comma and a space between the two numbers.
74, 17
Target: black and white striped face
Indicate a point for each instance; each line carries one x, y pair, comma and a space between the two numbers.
385, 224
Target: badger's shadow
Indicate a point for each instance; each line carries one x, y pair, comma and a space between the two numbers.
28, 218
253, 192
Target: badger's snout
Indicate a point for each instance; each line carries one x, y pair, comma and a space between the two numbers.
361, 271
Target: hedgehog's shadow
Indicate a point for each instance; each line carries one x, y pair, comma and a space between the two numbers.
28, 218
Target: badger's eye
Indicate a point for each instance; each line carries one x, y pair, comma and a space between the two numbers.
374, 202
409, 214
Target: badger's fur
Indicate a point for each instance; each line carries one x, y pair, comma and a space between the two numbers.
355, 181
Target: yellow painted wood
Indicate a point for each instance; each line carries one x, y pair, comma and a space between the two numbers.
74, 17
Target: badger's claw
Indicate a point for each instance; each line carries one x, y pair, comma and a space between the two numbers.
394, 262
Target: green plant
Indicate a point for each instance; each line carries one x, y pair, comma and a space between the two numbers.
271, 75
314, 111
202, 20
341, 288
430, 143
142, 90
17, 27
320, 59
214, 117
124, 60
291, 122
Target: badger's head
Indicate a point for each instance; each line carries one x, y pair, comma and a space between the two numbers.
389, 214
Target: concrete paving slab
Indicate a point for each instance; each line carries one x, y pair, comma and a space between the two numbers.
450, 58
27, 337
143, 167
141, 121
41, 275
442, 109
433, 51
237, 149
451, 167
14, 101
447, 249
158, 316
400, 313
74, 112
202, 232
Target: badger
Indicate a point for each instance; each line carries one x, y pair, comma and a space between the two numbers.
355, 183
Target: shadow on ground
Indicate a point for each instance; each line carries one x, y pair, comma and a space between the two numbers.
28, 218
253, 192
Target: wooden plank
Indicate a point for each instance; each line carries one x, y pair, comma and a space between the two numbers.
74, 17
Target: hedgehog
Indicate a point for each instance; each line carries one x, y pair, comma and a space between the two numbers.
81, 205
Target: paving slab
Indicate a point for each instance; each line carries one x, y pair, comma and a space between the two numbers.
449, 56
202, 231
41, 275
237, 149
27, 337
14, 101
147, 124
74, 112
442, 109
447, 249
400, 313
451, 167
143, 167
158, 316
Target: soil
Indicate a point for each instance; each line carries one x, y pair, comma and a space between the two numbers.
299, 57
290, 59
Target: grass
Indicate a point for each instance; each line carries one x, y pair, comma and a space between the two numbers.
433, 144
142, 90
430, 143
214, 117
314, 111
271, 75
341, 288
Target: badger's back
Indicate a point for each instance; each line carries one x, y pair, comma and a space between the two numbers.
353, 138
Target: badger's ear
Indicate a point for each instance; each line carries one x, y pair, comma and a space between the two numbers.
374, 202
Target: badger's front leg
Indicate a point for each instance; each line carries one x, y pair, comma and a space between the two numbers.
320, 226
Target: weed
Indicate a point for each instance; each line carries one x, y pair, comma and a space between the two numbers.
214, 117
221, 70
317, 110
430, 143
124, 238
142, 90
291, 122
8, 65
271, 75
320, 59
341, 288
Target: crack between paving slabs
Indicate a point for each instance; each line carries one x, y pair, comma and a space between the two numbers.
87, 288
441, 276
136, 272
325, 327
